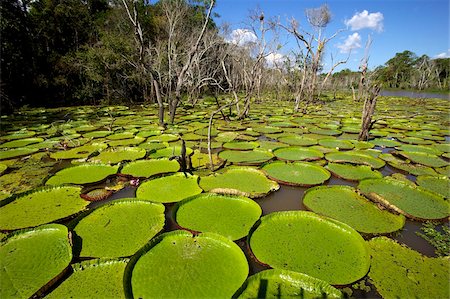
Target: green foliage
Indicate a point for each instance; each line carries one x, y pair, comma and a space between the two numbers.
440, 240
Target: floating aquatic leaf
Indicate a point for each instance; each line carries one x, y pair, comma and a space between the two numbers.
97, 194
298, 140
356, 158
424, 159
78, 152
241, 145
353, 172
169, 151
148, 168
119, 154
82, 174
440, 185
17, 152
20, 142
252, 157
297, 173
297, 153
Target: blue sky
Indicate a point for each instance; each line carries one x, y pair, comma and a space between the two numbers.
421, 26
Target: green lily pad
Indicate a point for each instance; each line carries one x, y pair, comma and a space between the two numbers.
252, 157
355, 158
82, 174
362, 144
343, 203
308, 243
353, 172
119, 228
171, 188
30, 259
17, 152
329, 132
271, 145
241, 145
21, 142
297, 153
229, 216
424, 159
419, 148
384, 142
164, 138
297, 173
415, 169
200, 160
169, 152
336, 143
100, 278
298, 140
400, 272
18, 135
3, 167
414, 140
276, 283
226, 136
440, 185
121, 135
126, 142
119, 154
97, 134
443, 147
40, 206
80, 152
200, 266
413, 202
153, 145
148, 168
267, 130
244, 181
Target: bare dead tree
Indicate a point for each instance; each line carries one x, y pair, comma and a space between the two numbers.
367, 113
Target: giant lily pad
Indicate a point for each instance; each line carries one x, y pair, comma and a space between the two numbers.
343, 203
119, 228
424, 159
276, 283
229, 216
243, 181
353, 172
400, 272
82, 174
355, 158
18, 135
171, 188
419, 148
119, 154
169, 152
17, 152
148, 168
180, 265
30, 259
241, 145
99, 278
336, 143
78, 152
253, 157
21, 142
440, 185
411, 201
40, 206
298, 140
297, 173
297, 153
308, 243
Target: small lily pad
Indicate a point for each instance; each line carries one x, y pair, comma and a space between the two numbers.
171, 188
297, 153
206, 266
148, 168
244, 181
297, 173
119, 154
229, 216
353, 172
120, 228
29, 259
400, 272
276, 283
308, 243
252, 157
413, 202
40, 206
355, 158
82, 174
343, 203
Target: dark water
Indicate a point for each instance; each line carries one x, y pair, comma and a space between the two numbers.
414, 94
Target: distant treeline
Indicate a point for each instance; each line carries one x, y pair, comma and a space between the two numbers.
71, 52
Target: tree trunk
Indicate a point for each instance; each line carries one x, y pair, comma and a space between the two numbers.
160, 103
367, 113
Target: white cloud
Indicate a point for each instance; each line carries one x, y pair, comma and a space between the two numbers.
352, 42
242, 37
275, 58
365, 19
443, 54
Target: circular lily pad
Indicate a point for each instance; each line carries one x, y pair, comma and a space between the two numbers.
297, 153
241, 145
21, 142
419, 148
164, 138
336, 143
170, 151
440, 185
119, 228
40, 206
308, 243
355, 158
400, 272
278, 283
78, 152
202, 266
30, 259
424, 159
121, 135
414, 140
413, 202
3, 167
229, 216
18, 135
353, 172
17, 152
100, 278
384, 142
298, 140
244, 181
343, 203
297, 173
97, 134
119, 154
171, 188
148, 168
267, 130
253, 157
82, 174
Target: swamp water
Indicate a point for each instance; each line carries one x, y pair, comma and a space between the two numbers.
37, 145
